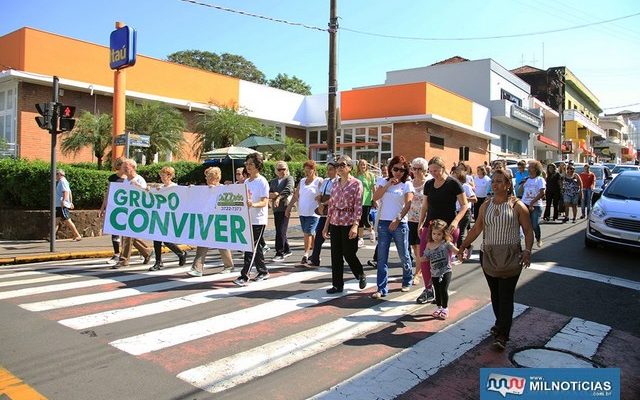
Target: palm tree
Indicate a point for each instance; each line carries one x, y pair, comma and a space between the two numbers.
90, 130
225, 127
162, 123
294, 150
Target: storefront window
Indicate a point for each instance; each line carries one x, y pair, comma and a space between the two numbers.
373, 135
361, 135
7, 120
347, 135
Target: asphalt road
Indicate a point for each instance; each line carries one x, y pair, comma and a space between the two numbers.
147, 337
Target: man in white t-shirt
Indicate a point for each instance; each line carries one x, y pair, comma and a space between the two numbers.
258, 203
532, 191
132, 178
64, 202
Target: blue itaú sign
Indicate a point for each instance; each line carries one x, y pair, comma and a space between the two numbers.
122, 48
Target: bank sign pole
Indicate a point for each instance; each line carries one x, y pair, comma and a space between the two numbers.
122, 54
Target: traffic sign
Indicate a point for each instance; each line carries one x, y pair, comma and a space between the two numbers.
122, 48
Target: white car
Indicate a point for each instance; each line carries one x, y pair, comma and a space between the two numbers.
624, 167
615, 218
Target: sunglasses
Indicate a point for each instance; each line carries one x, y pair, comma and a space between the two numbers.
282, 169
571, 169
341, 165
394, 169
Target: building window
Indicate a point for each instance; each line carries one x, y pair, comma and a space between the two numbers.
8, 120
504, 95
436, 141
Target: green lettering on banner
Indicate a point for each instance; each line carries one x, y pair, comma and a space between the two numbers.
204, 230
178, 227
174, 201
133, 198
156, 221
160, 200
120, 197
149, 200
192, 226
113, 218
221, 228
132, 219
237, 228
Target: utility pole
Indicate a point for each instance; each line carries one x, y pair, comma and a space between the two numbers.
333, 82
53, 131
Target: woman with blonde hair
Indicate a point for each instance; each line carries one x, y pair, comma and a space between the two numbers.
368, 180
419, 168
166, 176
213, 175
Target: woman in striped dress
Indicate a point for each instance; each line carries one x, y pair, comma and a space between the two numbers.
501, 218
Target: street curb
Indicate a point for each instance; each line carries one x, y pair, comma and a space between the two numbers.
42, 257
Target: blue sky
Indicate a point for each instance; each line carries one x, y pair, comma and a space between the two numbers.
605, 57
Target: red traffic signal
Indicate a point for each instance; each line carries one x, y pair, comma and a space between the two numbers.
67, 111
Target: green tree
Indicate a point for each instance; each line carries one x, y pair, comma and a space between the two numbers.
164, 125
294, 150
225, 127
90, 130
291, 84
226, 64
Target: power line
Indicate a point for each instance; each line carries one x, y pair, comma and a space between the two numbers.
248, 14
626, 105
490, 37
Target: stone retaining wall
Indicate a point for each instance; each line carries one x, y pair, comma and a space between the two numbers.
34, 224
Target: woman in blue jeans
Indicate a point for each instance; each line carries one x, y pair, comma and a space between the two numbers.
531, 191
395, 195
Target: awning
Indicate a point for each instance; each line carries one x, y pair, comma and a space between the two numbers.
548, 141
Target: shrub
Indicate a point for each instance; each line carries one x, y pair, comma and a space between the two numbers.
25, 184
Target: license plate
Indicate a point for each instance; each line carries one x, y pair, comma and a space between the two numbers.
630, 236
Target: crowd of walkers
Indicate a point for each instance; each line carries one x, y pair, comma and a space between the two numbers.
431, 215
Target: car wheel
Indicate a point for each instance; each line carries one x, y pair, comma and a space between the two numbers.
590, 244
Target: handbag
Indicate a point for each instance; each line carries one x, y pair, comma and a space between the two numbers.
501, 260
322, 209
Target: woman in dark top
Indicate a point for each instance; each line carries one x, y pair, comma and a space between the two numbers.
440, 196
553, 193
280, 193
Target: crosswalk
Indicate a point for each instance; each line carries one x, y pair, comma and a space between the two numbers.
221, 338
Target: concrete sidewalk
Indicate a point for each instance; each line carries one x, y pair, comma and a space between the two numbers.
29, 251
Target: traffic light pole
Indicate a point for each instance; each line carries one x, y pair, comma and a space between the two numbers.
54, 138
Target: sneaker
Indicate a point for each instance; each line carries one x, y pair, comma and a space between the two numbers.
313, 264
226, 269
304, 260
261, 276
182, 259
120, 264
363, 281
277, 258
372, 264
360, 242
285, 255
241, 282
539, 243
156, 267
114, 259
405, 288
194, 272
426, 296
333, 290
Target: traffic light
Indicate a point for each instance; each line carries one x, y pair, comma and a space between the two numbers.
66, 113
45, 110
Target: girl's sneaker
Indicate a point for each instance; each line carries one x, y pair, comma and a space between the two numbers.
372, 237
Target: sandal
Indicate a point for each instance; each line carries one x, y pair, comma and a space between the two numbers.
436, 313
377, 295
443, 314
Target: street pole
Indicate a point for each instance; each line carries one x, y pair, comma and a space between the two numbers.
54, 138
333, 82
119, 105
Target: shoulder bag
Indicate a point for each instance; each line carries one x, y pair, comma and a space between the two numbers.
502, 260
322, 209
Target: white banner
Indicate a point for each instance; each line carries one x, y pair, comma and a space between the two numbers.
215, 217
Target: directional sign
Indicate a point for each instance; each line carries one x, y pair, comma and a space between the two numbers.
134, 140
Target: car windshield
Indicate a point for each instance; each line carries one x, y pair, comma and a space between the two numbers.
624, 187
619, 168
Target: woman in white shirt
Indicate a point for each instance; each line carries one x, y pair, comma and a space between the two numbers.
305, 195
419, 167
395, 194
482, 187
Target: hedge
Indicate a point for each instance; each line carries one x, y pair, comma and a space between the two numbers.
25, 184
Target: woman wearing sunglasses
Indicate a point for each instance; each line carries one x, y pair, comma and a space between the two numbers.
395, 195
571, 192
345, 210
